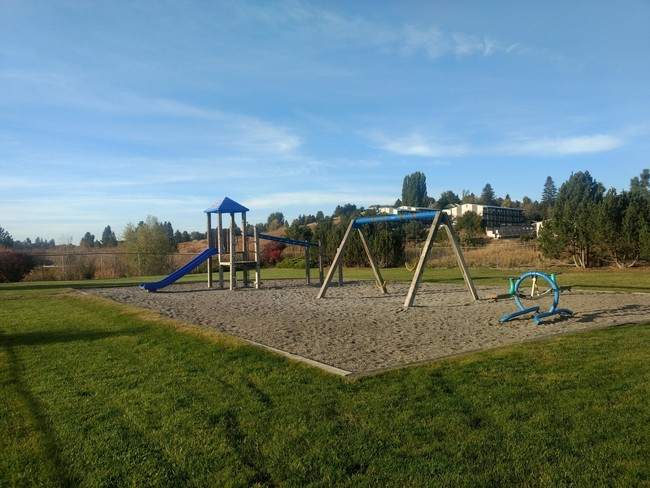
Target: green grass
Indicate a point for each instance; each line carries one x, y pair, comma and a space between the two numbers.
97, 394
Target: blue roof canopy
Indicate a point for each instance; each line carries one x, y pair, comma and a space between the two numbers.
226, 206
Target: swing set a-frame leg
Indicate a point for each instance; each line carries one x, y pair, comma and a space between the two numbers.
440, 219
339, 258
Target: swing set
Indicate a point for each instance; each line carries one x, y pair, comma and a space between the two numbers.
440, 219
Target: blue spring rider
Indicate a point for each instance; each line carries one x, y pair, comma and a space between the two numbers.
536, 294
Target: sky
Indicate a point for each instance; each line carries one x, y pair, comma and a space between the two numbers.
111, 111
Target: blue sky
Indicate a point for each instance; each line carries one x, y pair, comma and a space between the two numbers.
111, 111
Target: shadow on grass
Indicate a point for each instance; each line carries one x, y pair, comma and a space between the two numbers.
61, 472
49, 337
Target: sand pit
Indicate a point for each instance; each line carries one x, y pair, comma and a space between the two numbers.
357, 330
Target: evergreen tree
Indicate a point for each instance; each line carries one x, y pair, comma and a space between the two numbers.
108, 237
274, 221
88, 240
487, 195
642, 182
624, 220
572, 227
414, 190
299, 231
347, 210
5, 238
549, 194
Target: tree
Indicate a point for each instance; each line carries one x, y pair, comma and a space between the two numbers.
623, 222
549, 194
88, 240
108, 237
469, 224
168, 230
487, 195
346, 210
414, 190
642, 182
532, 210
149, 243
5, 238
572, 227
299, 232
447, 198
274, 221
467, 197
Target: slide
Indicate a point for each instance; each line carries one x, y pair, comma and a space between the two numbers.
179, 273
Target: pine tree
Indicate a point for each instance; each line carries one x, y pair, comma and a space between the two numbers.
108, 237
549, 194
488, 195
572, 227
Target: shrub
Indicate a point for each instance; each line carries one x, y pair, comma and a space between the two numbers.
14, 266
271, 254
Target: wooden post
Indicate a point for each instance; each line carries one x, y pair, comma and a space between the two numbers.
210, 245
337, 261
381, 284
460, 258
220, 246
307, 271
417, 278
320, 263
340, 281
257, 258
440, 219
244, 248
233, 268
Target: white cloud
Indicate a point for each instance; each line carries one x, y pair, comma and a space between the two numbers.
437, 43
419, 145
357, 196
565, 145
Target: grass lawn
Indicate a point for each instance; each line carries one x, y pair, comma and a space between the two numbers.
98, 394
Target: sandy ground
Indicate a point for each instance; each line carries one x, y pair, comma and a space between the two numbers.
357, 329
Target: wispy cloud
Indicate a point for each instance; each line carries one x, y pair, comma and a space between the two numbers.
308, 21
363, 196
417, 144
560, 146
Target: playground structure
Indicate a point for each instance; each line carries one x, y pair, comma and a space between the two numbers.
439, 219
223, 247
549, 287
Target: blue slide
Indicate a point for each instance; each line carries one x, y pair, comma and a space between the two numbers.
179, 273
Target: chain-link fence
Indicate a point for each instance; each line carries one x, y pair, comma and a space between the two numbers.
100, 265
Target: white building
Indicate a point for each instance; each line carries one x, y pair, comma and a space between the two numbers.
499, 221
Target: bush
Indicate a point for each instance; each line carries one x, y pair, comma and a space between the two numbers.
14, 266
271, 253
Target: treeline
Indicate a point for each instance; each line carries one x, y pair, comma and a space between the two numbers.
583, 223
592, 226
